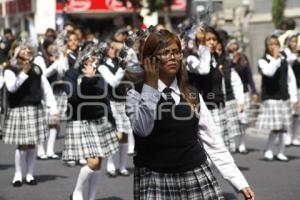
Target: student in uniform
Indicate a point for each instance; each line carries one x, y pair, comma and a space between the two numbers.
115, 77
220, 86
240, 63
25, 124
174, 131
90, 133
293, 57
53, 66
278, 91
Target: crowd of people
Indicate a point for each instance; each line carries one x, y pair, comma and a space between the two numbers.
178, 102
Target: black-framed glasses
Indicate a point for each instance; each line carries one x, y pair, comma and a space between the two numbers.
167, 54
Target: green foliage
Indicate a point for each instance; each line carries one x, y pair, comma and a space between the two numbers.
278, 12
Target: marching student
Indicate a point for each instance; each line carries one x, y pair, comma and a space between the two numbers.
278, 91
174, 131
240, 63
53, 66
90, 133
220, 86
25, 124
114, 75
292, 52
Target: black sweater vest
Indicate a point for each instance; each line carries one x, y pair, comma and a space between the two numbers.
173, 145
296, 69
118, 93
87, 100
276, 87
30, 93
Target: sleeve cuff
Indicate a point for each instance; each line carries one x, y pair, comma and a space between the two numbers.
22, 76
239, 182
150, 94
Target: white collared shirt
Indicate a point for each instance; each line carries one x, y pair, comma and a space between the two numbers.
141, 110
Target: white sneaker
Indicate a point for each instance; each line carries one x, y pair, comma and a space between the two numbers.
296, 142
268, 155
82, 162
282, 157
71, 163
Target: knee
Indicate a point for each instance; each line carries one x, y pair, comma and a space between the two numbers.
26, 147
94, 163
123, 138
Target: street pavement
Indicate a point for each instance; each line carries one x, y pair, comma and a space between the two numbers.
270, 180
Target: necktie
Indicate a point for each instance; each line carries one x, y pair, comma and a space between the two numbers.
168, 92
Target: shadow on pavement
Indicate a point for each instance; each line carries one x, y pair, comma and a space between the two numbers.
111, 198
229, 196
2, 167
45, 178
243, 168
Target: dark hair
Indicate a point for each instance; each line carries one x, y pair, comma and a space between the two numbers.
267, 40
209, 29
288, 24
47, 42
7, 31
153, 44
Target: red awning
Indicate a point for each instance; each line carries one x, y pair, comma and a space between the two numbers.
103, 6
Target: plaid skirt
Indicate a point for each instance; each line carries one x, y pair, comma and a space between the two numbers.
233, 121
25, 125
219, 117
274, 115
246, 116
119, 114
196, 184
62, 105
89, 139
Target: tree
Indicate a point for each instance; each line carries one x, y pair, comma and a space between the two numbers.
278, 12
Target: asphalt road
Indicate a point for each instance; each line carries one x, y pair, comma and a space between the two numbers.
270, 180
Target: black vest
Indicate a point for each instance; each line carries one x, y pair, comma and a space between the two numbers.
296, 69
118, 93
210, 86
173, 145
241, 68
276, 87
90, 104
227, 78
30, 93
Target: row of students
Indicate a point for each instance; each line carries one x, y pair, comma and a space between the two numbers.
279, 96
220, 85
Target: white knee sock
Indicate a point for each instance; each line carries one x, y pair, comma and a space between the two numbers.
19, 164
110, 163
271, 140
30, 160
94, 184
40, 149
281, 143
123, 153
130, 143
242, 141
83, 176
51, 141
295, 125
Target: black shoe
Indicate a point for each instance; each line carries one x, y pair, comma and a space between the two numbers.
111, 173
71, 196
42, 157
31, 182
124, 172
17, 183
53, 157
